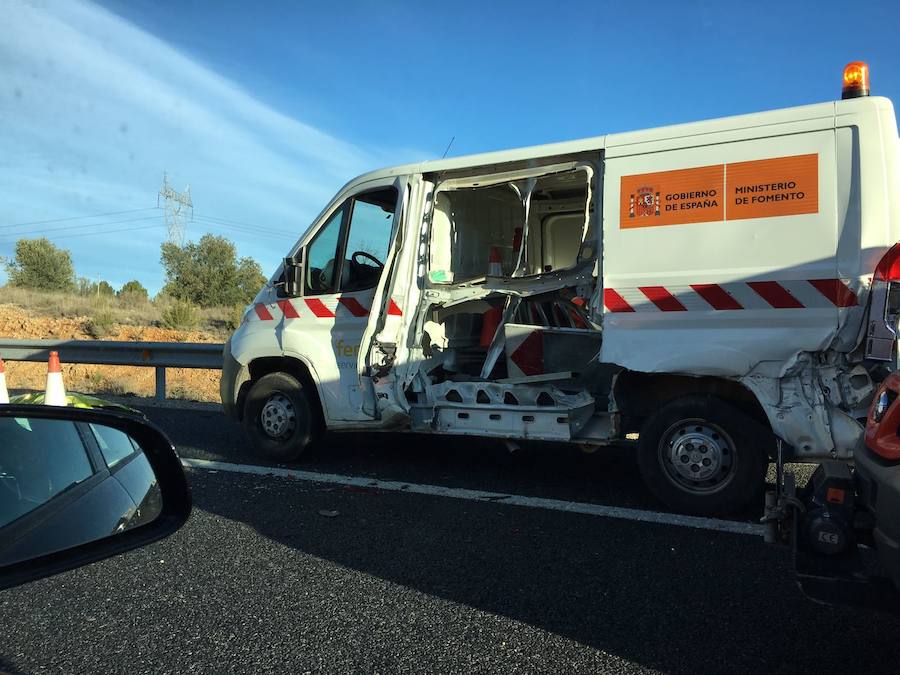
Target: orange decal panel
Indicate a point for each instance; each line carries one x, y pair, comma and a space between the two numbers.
672, 197
762, 188
784, 186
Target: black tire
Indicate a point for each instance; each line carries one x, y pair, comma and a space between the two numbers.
277, 403
700, 455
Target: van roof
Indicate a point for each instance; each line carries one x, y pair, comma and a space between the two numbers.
799, 113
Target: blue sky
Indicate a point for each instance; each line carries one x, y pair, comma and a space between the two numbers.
266, 109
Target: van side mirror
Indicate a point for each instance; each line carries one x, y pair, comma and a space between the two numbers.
79, 485
291, 277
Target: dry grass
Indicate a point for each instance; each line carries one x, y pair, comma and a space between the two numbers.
106, 310
182, 383
61, 316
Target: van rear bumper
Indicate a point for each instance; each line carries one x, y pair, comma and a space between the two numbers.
233, 377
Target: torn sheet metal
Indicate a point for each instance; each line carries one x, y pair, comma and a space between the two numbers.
478, 289
814, 404
488, 180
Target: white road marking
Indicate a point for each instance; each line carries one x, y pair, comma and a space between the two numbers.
657, 517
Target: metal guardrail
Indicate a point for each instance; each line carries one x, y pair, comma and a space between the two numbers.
159, 355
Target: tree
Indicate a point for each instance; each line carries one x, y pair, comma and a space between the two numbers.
133, 291
39, 264
84, 286
209, 273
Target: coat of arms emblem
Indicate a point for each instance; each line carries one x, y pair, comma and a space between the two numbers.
645, 202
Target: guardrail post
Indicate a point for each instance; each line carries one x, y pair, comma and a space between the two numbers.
160, 383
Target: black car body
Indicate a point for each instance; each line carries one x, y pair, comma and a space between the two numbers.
101, 484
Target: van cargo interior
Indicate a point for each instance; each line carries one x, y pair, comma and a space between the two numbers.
506, 324
529, 226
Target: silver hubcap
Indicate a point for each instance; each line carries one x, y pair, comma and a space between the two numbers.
277, 417
697, 456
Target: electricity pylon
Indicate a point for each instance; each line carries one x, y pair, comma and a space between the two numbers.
178, 206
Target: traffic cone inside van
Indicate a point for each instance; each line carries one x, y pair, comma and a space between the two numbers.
4, 393
494, 267
55, 393
489, 322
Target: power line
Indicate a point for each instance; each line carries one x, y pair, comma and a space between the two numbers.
229, 220
239, 223
121, 229
92, 215
208, 220
90, 234
217, 220
31, 233
258, 229
211, 224
244, 231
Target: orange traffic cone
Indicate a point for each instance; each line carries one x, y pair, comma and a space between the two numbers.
489, 322
55, 393
494, 267
4, 394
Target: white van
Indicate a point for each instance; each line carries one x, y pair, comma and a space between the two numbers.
706, 288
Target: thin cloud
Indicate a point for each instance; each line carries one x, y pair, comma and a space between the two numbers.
94, 110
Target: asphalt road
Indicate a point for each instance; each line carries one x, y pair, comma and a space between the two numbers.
260, 581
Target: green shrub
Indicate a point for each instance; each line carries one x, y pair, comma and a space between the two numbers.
100, 324
235, 314
133, 292
180, 315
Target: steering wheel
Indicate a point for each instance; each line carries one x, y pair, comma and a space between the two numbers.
322, 277
369, 256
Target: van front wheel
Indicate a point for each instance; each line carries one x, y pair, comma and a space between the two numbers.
278, 417
698, 455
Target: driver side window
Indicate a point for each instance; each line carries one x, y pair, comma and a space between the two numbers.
369, 238
322, 258
349, 256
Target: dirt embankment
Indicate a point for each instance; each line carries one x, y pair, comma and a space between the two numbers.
17, 322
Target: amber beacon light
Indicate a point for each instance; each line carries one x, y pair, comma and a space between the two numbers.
856, 80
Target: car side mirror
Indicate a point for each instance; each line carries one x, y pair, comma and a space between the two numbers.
291, 277
79, 485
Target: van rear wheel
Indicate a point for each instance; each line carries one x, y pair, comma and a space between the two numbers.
699, 455
279, 418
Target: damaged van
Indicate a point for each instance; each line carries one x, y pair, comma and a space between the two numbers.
709, 293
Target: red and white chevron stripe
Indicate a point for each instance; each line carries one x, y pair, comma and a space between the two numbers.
795, 294
319, 308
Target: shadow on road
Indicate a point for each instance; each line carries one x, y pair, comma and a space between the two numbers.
669, 598
673, 599
559, 471
7, 668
